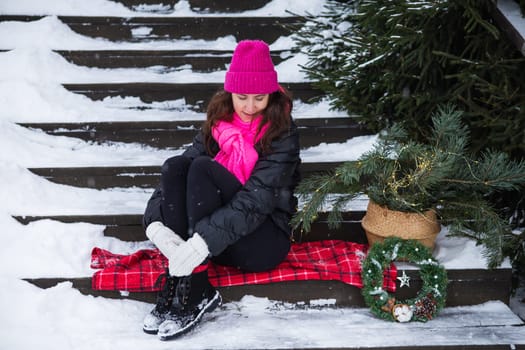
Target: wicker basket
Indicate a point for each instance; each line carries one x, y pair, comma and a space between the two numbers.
381, 222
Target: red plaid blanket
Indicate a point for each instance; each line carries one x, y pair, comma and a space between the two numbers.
320, 260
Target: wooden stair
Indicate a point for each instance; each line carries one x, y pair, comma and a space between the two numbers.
204, 6
202, 61
466, 286
131, 176
174, 134
196, 95
143, 29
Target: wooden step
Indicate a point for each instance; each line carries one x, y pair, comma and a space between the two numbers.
213, 6
465, 287
199, 60
202, 6
150, 6
145, 29
129, 227
175, 134
196, 95
132, 176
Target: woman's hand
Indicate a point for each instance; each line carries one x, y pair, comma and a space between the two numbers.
187, 256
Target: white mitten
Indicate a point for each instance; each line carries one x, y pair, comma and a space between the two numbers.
188, 255
163, 237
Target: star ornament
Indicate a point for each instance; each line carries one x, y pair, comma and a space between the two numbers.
404, 280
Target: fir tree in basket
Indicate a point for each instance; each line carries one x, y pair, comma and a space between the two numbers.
438, 176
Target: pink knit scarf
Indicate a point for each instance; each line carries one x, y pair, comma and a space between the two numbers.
236, 140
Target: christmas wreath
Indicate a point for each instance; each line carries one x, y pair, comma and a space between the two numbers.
430, 298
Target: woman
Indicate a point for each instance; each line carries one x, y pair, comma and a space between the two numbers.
229, 196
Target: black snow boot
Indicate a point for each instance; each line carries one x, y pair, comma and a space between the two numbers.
194, 296
165, 297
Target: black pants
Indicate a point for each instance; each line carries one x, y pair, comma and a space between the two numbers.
195, 189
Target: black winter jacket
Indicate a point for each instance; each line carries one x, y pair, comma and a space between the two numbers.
269, 192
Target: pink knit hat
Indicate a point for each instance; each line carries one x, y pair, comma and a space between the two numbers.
251, 70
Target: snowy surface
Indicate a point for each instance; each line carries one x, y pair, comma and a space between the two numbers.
83, 322
31, 75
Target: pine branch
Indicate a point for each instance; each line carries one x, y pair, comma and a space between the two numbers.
316, 192
410, 176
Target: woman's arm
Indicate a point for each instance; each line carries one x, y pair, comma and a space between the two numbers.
197, 148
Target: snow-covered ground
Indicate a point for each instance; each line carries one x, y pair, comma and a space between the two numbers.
31, 75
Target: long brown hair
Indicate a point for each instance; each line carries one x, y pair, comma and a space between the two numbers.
277, 114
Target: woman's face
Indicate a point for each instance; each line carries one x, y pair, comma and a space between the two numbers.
248, 106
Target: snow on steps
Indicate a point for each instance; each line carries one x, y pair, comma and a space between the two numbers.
257, 323
488, 326
144, 29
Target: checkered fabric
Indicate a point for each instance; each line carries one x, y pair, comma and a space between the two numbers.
320, 260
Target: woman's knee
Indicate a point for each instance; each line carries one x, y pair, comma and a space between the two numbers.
201, 164
175, 166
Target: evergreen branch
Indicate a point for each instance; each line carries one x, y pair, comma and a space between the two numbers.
314, 191
477, 220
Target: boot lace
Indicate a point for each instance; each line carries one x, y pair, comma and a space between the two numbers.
182, 294
167, 293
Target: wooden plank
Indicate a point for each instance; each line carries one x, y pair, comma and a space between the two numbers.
102, 177
207, 6
265, 28
268, 29
466, 287
135, 4
195, 95
199, 6
126, 227
357, 328
175, 134
183, 123
112, 127
129, 227
20, 18
133, 176
199, 60
165, 138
